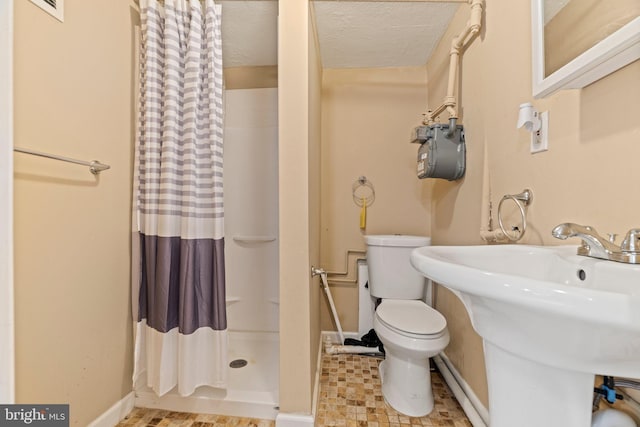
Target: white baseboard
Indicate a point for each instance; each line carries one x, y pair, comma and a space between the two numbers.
471, 405
116, 413
316, 384
294, 420
234, 403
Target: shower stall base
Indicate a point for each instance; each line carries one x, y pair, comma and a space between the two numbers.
253, 388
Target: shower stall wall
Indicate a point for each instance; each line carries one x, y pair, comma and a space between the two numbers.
251, 209
251, 251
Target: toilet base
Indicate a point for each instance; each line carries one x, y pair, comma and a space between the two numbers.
406, 385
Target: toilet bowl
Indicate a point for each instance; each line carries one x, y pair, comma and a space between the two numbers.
411, 333
409, 329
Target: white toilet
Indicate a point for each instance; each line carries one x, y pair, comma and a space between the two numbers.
410, 330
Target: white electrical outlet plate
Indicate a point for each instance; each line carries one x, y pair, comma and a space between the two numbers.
540, 139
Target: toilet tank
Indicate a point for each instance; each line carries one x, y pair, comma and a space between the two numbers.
391, 274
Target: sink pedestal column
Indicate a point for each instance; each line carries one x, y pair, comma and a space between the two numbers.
527, 394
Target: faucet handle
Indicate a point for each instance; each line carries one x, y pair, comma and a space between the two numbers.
612, 237
631, 242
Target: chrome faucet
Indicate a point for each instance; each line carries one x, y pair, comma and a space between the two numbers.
596, 246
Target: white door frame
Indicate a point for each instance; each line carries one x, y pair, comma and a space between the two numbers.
7, 343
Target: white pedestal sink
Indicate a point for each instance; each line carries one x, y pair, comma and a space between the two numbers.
550, 321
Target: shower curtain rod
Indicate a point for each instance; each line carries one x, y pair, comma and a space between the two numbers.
94, 166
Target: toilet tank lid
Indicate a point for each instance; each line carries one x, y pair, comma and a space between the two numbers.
400, 240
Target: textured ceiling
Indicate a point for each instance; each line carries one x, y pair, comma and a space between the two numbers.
379, 34
351, 33
249, 33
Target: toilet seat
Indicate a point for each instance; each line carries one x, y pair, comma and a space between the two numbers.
411, 318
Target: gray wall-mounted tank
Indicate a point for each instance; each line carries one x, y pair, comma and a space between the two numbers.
442, 153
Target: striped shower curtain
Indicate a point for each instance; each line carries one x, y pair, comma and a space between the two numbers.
179, 287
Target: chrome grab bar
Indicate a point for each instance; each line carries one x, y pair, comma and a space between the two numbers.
94, 166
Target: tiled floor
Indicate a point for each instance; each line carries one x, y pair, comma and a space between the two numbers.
141, 417
350, 396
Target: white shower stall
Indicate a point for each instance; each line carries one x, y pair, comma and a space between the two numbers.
251, 252
251, 242
251, 209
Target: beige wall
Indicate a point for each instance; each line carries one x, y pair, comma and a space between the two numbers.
315, 97
298, 77
73, 97
585, 176
367, 116
72, 230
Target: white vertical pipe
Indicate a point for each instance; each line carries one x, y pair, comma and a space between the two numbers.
487, 231
323, 276
459, 43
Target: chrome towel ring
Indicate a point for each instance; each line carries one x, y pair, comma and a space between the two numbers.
522, 200
363, 192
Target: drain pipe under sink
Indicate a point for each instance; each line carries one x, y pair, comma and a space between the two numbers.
332, 348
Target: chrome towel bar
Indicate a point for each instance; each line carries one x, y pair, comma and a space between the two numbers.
254, 239
94, 166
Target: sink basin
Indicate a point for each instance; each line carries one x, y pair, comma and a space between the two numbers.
550, 320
